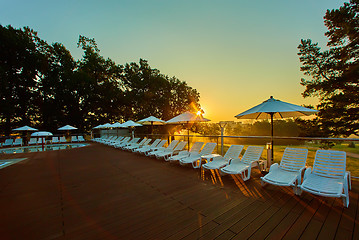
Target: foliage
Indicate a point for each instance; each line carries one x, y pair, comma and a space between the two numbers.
43, 86
334, 72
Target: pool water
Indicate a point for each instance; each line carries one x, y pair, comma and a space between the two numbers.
50, 147
8, 162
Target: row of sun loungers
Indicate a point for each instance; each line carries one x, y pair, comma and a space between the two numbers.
328, 177
10, 142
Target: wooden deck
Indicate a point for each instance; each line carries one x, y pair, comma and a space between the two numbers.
98, 192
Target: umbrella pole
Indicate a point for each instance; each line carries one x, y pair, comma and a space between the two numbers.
272, 154
188, 134
151, 127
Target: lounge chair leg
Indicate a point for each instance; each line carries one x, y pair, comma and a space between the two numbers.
263, 183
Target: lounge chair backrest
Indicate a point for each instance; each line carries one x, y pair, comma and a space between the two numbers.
55, 139
294, 159
208, 148
142, 141
233, 152
80, 138
8, 141
134, 140
155, 143
32, 141
172, 145
163, 142
329, 163
180, 146
39, 140
73, 138
18, 141
252, 154
148, 140
63, 139
196, 147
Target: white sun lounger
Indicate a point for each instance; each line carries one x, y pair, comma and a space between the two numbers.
147, 148
169, 148
329, 177
135, 144
74, 139
8, 142
159, 146
55, 140
290, 170
81, 138
17, 142
218, 162
196, 147
32, 141
196, 159
244, 165
180, 146
63, 140
134, 140
118, 143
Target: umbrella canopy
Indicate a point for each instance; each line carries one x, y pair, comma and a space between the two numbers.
106, 125
273, 108
97, 127
151, 121
67, 128
117, 125
277, 109
25, 128
187, 117
41, 134
131, 123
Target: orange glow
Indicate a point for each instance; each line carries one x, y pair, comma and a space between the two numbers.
199, 113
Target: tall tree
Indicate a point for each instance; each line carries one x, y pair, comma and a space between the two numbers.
335, 72
22, 64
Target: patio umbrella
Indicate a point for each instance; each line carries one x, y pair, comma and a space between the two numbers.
273, 108
67, 128
187, 118
25, 129
117, 125
41, 134
151, 121
130, 124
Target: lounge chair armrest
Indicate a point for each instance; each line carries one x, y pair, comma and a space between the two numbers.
273, 166
348, 179
307, 172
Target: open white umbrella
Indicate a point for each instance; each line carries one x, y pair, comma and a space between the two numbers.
273, 108
41, 134
25, 128
151, 121
67, 128
131, 124
186, 118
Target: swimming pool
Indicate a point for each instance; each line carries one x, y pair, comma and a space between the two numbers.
50, 147
8, 162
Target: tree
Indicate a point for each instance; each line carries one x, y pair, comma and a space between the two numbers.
22, 64
335, 72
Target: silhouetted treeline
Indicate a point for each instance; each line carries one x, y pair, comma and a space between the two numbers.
44, 87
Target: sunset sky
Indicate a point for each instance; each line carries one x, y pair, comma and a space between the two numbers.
236, 53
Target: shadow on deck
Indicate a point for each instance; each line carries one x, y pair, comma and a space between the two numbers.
97, 192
